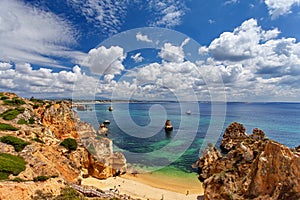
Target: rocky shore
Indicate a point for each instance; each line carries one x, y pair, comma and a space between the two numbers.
250, 167
42, 126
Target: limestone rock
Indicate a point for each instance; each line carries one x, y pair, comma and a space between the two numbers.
234, 134
256, 168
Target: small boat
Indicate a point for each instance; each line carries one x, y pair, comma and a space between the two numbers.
106, 121
110, 108
168, 125
188, 112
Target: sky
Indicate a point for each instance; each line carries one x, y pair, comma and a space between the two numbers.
230, 50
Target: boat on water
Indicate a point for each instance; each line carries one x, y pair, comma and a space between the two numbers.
110, 108
106, 122
188, 112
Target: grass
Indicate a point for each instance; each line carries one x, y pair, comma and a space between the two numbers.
12, 113
10, 164
7, 127
17, 143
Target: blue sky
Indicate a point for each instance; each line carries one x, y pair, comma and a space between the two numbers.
194, 49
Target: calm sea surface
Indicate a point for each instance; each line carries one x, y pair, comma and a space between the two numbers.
137, 129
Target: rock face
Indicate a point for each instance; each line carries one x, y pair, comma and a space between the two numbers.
44, 156
253, 168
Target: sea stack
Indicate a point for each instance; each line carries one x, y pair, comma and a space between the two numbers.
168, 125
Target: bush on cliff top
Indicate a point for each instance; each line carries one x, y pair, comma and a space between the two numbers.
17, 143
12, 113
14, 102
10, 164
7, 127
69, 144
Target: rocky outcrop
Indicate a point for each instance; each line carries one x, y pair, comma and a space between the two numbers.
253, 168
44, 156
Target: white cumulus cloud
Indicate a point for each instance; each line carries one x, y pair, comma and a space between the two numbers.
104, 60
143, 38
137, 58
280, 7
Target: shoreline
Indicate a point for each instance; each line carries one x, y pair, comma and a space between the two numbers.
150, 186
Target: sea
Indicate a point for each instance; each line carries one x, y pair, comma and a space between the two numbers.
137, 129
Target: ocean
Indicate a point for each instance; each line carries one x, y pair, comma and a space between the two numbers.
137, 129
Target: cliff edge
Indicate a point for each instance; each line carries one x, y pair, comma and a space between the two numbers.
33, 158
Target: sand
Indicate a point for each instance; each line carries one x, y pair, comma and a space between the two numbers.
151, 186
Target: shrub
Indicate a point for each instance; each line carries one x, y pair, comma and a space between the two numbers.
40, 178
17, 179
38, 140
17, 143
69, 144
22, 121
31, 120
10, 164
7, 127
12, 113
14, 102
35, 106
4, 98
69, 194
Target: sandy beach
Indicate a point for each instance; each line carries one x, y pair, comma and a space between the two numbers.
151, 186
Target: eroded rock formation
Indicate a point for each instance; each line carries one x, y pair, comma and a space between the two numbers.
253, 168
45, 157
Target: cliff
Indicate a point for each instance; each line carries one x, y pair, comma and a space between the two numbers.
42, 126
253, 167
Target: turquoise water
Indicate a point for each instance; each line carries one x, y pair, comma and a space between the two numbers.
137, 128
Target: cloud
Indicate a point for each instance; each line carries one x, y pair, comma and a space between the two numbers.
254, 63
137, 58
29, 34
173, 53
242, 43
44, 83
231, 2
104, 60
143, 38
280, 7
168, 13
105, 14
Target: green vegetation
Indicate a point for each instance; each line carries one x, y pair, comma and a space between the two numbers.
38, 140
24, 121
40, 178
10, 164
69, 194
12, 113
1, 94
17, 143
14, 102
4, 98
17, 179
7, 127
35, 106
69, 144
